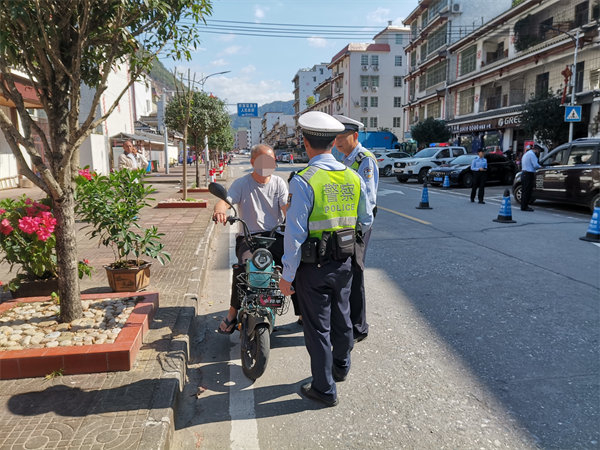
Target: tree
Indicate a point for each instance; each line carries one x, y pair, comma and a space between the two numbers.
430, 130
61, 45
310, 101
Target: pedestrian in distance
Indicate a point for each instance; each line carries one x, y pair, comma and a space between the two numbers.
479, 170
327, 205
261, 198
127, 160
292, 159
365, 164
529, 164
140, 159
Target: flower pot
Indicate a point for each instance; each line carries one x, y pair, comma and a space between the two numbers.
36, 288
128, 279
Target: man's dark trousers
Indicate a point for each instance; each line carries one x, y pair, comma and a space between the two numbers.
527, 181
323, 294
479, 179
358, 301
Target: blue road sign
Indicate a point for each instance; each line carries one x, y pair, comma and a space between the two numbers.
247, 109
572, 113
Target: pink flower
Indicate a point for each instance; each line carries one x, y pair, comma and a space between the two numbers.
28, 201
5, 227
41, 206
28, 224
85, 173
2, 211
86, 261
46, 225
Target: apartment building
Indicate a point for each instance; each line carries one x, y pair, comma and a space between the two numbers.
305, 82
242, 139
366, 81
255, 130
523, 52
434, 26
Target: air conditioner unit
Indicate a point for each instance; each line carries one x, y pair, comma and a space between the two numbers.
374, 88
456, 8
365, 108
365, 88
357, 104
375, 68
365, 67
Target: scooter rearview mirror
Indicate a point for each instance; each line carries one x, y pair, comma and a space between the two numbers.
218, 191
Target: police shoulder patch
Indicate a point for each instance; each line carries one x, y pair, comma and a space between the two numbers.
368, 173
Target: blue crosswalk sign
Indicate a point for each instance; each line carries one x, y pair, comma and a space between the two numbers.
572, 113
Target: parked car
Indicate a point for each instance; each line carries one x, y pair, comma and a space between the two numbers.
500, 169
418, 166
302, 158
282, 157
385, 161
570, 174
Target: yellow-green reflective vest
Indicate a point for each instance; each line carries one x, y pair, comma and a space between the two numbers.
362, 154
336, 194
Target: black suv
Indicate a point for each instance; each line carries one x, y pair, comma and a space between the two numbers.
570, 174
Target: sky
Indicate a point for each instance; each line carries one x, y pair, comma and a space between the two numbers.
262, 68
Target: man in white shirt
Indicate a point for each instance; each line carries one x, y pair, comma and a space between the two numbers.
128, 160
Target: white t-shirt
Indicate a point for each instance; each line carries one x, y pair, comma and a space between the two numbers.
259, 204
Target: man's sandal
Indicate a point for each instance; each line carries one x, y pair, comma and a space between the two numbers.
230, 326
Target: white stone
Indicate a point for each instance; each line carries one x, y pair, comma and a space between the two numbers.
52, 344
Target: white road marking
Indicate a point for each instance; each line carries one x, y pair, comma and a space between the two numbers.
382, 192
244, 428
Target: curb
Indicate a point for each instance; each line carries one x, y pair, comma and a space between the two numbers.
160, 427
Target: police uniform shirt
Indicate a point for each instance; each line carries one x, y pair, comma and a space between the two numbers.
368, 171
529, 162
300, 205
479, 163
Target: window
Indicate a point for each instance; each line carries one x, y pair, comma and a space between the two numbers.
374, 102
397, 102
443, 154
373, 122
437, 39
364, 81
579, 76
398, 39
321, 71
364, 60
375, 81
581, 14
398, 61
396, 122
364, 119
557, 159
457, 152
397, 81
581, 154
466, 101
434, 109
541, 84
364, 102
413, 59
468, 58
374, 60
436, 74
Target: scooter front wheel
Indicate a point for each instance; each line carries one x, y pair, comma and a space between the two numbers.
255, 352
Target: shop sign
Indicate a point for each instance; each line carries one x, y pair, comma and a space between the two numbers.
513, 121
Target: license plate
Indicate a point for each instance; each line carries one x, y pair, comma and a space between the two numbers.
437, 179
271, 302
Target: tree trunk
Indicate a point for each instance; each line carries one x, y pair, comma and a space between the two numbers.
66, 252
197, 162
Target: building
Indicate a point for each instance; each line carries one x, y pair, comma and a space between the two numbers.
305, 82
282, 134
434, 26
255, 130
242, 139
366, 81
523, 52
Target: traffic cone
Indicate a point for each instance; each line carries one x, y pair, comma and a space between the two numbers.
446, 184
213, 175
593, 232
424, 198
505, 214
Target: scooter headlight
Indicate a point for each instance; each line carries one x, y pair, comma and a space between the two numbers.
262, 258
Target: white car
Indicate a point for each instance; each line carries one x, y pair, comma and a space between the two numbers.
385, 161
418, 166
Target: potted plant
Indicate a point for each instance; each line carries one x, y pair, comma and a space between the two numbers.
27, 240
110, 205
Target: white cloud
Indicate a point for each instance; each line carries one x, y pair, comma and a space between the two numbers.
379, 16
219, 62
248, 69
232, 50
317, 42
226, 37
259, 13
236, 90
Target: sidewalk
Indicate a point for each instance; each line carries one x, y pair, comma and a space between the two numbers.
121, 410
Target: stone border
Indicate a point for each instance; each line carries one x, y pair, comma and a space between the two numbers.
94, 358
182, 204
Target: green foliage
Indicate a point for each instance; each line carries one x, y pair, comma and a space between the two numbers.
430, 130
110, 205
543, 117
310, 101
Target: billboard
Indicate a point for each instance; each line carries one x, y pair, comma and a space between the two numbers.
247, 109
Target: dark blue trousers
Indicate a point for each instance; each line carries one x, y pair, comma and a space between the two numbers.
323, 294
358, 301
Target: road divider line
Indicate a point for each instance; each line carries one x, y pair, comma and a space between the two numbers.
406, 216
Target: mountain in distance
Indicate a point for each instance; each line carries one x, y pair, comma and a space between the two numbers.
278, 106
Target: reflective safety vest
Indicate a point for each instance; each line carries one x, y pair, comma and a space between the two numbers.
336, 195
362, 154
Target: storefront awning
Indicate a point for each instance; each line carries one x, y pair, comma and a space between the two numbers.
492, 120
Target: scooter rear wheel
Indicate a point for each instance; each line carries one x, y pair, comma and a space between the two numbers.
255, 352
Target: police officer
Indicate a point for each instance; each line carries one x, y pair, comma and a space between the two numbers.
365, 163
529, 164
479, 170
326, 205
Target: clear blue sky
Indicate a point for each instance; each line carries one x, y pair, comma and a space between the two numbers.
262, 68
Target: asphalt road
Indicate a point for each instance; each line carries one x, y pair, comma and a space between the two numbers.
483, 335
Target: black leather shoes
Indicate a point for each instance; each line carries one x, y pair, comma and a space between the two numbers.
308, 391
526, 209
360, 337
338, 374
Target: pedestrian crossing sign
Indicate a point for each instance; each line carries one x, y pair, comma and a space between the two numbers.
572, 113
